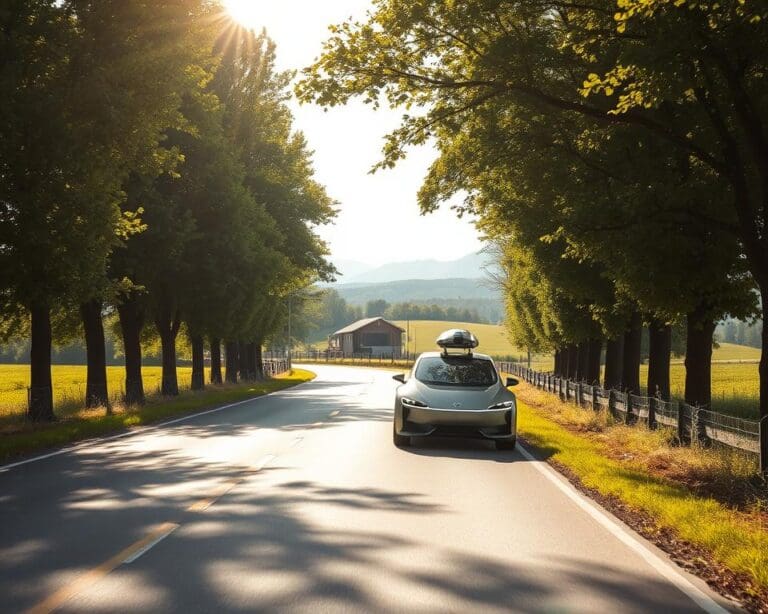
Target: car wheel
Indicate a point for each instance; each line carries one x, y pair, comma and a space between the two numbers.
401, 441
506, 444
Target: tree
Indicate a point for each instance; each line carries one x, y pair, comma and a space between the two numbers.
376, 308
455, 64
67, 66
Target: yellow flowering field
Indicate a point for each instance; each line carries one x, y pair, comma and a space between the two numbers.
69, 385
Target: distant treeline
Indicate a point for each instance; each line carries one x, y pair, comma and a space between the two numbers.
416, 311
741, 333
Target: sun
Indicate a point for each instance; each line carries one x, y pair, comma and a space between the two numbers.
246, 12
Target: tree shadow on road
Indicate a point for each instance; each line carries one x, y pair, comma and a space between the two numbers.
299, 545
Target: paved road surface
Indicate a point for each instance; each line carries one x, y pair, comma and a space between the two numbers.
299, 502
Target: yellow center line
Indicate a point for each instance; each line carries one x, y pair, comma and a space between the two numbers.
64, 594
206, 502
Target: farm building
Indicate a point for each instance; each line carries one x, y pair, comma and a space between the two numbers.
372, 336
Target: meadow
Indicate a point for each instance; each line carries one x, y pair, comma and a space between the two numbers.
493, 338
735, 378
69, 386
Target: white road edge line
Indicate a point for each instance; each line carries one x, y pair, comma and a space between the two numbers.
134, 556
141, 430
664, 567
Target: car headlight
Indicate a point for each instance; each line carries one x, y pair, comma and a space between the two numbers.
412, 402
503, 405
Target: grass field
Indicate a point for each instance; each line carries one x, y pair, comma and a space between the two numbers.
735, 378
69, 385
493, 338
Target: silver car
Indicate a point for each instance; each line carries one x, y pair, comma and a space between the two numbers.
455, 395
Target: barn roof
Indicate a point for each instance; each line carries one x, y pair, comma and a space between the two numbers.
355, 326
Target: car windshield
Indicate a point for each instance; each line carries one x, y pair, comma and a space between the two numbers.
460, 371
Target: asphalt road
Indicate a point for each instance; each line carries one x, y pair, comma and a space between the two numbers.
300, 502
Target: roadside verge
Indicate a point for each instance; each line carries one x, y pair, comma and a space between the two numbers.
41, 437
725, 546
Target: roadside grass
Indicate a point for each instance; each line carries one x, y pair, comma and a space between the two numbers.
25, 437
711, 498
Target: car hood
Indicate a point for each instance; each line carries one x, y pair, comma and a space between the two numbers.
445, 397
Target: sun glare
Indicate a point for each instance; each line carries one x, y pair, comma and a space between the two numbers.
245, 12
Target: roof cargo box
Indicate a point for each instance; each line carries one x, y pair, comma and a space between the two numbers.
457, 339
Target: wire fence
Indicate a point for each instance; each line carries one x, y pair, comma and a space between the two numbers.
697, 425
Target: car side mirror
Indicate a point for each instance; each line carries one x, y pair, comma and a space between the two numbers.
511, 381
400, 377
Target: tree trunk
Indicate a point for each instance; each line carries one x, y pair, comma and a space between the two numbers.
614, 363
573, 362
96, 394
593, 368
631, 361
168, 328
198, 362
259, 361
131, 324
698, 359
557, 362
216, 361
660, 351
244, 363
250, 350
231, 350
763, 369
40, 407
582, 364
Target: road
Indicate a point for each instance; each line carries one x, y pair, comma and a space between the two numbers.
299, 502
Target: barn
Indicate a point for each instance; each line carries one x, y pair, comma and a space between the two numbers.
371, 336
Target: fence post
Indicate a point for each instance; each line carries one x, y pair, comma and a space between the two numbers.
611, 402
651, 412
681, 419
567, 390
694, 425
578, 394
762, 430
595, 404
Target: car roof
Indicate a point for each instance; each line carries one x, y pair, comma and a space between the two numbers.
440, 355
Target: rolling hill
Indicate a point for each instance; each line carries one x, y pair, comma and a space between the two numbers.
418, 290
470, 266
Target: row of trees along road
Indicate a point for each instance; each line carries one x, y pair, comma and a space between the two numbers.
615, 150
148, 168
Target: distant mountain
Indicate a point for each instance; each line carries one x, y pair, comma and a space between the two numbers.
460, 293
468, 267
351, 268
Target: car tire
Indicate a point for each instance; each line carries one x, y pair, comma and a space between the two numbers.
401, 441
506, 444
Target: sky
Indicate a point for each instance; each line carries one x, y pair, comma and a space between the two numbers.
379, 220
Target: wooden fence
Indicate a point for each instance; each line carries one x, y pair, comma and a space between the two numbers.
693, 424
